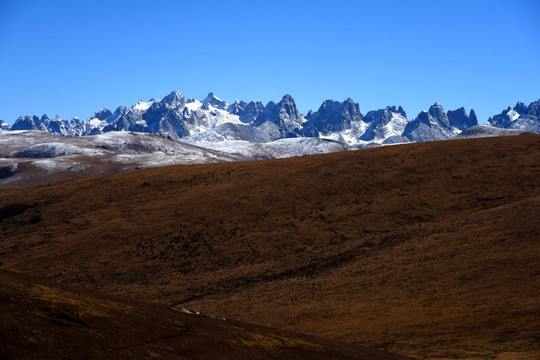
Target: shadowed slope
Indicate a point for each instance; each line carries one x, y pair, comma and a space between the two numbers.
425, 249
41, 320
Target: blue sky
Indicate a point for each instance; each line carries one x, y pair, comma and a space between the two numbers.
72, 58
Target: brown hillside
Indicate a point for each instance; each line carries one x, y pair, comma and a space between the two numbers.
428, 249
41, 320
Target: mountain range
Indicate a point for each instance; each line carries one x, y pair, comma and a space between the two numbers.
212, 121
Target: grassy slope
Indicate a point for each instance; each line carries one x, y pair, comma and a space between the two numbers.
428, 249
41, 320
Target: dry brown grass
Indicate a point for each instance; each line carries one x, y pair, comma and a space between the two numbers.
41, 320
428, 249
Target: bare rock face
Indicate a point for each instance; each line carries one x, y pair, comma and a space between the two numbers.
459, 119
284, 115
332, 116
430, 125
26, 122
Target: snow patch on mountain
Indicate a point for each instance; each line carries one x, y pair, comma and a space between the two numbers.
201, 120
193, 104
143, 105
513, 115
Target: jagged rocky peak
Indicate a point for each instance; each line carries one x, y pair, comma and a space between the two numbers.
383, 116
251, 111
216, 102
534, 108
174, 100
435, 124
520, 108
472, 117
328, 107
284, 117
423, 117
75, 121
387, 110
351, 110
437, 111
332, 116
287, 107
337, 112
102, 114
120, 111
237, 107
385, 125
459, 119
26, 122
270, 106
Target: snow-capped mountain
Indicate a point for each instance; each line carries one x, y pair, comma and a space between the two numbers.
212, 120
520, 117
280, 120
385, 124
435, 124
332, 117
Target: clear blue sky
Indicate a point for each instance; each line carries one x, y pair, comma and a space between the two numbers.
72, 58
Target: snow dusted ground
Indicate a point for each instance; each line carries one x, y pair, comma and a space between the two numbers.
489, 131
281, 148
52, 150
33, 157
37, 144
